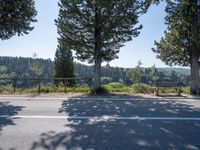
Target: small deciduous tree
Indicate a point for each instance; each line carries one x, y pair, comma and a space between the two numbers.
35, 66
153, 73
136, 74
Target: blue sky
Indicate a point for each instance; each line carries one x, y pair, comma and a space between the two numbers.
43, 39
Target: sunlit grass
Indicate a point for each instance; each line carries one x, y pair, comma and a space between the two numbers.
107, 88
142, 88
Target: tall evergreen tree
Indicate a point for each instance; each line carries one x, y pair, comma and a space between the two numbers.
97, 29
181, 45
64, 67
16, 17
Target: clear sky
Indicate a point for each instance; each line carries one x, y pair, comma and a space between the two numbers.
43, 39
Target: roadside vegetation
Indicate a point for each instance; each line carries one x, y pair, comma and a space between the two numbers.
99, 43
115, 87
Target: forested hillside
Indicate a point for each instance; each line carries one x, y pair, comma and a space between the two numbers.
25, 67
30, 67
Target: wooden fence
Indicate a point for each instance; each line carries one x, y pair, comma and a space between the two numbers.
52, 82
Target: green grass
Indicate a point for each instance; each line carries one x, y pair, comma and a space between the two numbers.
82, 89
117, 87
136, 88
1, 90
48, 89
9, 88
185, 90
110, 87
142, 88
167, 90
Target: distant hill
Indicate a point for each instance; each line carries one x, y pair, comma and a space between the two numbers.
29, 67
178, 70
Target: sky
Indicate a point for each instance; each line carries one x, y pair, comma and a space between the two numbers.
43, 39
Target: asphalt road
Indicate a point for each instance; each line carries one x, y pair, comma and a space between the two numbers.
105, 123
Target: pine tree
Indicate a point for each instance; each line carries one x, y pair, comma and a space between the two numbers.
180, 45
64, 67
97, 29
16, 17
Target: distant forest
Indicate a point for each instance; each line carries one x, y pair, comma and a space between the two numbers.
37, 67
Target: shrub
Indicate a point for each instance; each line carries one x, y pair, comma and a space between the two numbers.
106, 80
142, 88
101, 90
117, 87
185, 90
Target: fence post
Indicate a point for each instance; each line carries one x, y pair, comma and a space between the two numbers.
157, 89
14, 85
65, 85
90, 82
179, 89
39, 86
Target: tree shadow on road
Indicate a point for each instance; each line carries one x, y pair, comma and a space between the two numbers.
6, 112
113, 134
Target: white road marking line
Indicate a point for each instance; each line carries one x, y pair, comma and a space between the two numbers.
158, 99
32, 98
66, 98
103, 118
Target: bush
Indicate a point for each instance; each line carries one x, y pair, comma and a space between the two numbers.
101, 90
46, 89
185, 90
142, 88
106, 80
117, 87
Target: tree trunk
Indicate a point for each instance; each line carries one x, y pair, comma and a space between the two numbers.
194, 87
97, 56
97, 73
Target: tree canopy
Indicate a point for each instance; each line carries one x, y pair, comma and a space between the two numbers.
174, 48
16, 17
64, 67
97, 29
180, 45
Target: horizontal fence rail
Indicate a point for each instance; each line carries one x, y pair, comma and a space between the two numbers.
54, 83
177, 85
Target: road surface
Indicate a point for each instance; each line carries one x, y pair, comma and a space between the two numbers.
99, 123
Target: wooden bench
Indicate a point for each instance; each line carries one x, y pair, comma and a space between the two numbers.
162, 85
